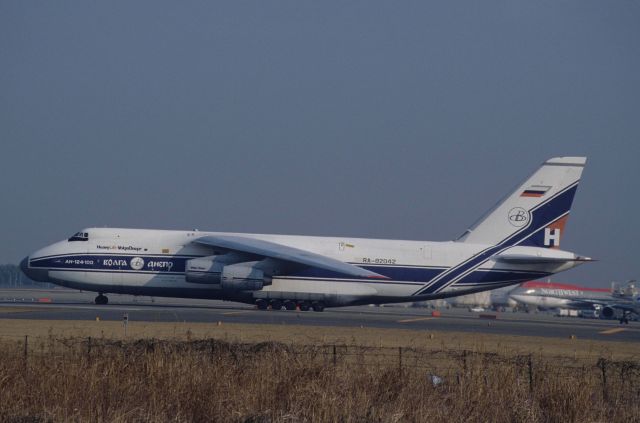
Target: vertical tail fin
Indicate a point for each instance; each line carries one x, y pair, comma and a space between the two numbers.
536, 212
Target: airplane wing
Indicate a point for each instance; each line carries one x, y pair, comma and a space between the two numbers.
285, 253
628, 307
625, 307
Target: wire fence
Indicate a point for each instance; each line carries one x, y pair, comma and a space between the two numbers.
99, 375
455, 366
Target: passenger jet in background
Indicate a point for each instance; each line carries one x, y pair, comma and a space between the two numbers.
623, 301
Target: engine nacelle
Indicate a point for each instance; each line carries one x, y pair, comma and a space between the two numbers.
224, 270
204, 270
244, 277
608, 312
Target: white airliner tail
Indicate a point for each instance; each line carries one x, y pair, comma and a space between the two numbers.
535, 213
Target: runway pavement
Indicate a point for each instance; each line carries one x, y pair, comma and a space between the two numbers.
74, 305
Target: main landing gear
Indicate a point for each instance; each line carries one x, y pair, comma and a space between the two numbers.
290, 305
101, 300
625, 318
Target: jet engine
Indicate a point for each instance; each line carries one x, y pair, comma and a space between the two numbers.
204, 270
224, 270
608, 312
244, 276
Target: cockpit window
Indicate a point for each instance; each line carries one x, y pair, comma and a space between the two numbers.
79, 236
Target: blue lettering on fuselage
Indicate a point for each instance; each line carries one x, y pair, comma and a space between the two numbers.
156, 264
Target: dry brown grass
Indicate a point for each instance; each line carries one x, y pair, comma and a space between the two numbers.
16, 329
64, 379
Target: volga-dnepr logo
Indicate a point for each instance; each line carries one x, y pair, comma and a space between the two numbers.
136, 263
518, 217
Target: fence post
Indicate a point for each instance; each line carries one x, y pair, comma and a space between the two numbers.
602, 363
530, 373
400, 359
335, 358
623, 374
88, 349
26, 350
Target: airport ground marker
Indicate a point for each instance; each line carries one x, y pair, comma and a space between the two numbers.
233, 313
612, 331
418, 319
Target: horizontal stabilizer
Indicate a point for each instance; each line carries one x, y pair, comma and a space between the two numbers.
531, 259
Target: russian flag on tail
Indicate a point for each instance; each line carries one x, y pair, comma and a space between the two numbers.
536, 191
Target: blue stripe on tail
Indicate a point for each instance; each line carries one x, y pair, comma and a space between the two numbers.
540, 217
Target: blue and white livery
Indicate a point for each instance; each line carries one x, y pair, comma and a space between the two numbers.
519, 240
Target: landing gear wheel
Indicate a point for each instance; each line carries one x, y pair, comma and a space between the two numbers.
276, 305
101, 300
262, 304
305, 306
318, 306
290, 305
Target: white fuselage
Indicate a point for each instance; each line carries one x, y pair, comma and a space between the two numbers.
558, 296
152, 262
542, 301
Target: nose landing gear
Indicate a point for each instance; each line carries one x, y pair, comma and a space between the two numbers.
101, 299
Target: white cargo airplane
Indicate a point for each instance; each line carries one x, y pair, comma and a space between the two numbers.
517, 241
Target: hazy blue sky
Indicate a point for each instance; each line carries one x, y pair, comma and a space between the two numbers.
397, 119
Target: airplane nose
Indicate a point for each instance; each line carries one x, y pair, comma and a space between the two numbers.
24, 265
39, 275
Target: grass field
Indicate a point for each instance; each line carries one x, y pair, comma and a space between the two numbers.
16, 329
91, 371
